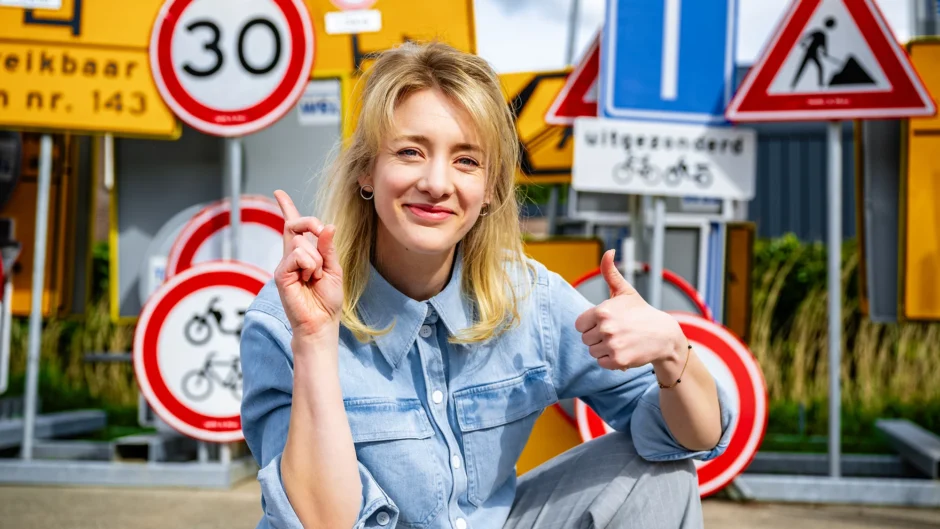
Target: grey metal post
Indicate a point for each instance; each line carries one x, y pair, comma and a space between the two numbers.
632, 244
572, 30
835, 296
233, 166
552, 214
7, 316
39, 276
659, 245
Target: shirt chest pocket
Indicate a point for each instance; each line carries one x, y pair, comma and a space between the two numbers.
394, 440
495, 421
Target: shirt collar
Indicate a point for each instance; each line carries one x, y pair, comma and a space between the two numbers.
382, 305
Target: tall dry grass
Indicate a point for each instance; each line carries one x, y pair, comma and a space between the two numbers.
883, 365
67, 380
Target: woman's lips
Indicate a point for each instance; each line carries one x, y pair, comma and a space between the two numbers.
429, 212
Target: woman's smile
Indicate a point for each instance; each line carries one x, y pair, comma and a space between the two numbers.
429, 212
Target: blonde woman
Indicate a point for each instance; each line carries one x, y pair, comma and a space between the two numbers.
396, 364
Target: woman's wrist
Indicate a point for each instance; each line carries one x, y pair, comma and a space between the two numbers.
669, 366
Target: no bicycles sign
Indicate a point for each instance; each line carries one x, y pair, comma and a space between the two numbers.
186, 348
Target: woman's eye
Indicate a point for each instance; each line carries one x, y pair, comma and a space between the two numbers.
408, 152
469, 162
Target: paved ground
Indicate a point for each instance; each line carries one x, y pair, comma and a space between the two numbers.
107, 508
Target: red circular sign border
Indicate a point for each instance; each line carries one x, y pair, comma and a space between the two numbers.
695, 329
259, 116
146, 338
212, 219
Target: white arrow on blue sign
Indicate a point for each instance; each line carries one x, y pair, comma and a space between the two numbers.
668, 60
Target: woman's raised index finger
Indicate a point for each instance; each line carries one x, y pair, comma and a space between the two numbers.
287, 205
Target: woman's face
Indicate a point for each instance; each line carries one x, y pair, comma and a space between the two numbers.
429, 176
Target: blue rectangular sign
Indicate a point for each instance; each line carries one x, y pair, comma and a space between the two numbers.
668, 60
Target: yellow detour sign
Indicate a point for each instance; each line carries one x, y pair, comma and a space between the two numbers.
399, 21
553, 434
83, 67
920, 198
547, 150
571, 257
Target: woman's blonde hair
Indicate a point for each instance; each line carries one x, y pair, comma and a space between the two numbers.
492, 249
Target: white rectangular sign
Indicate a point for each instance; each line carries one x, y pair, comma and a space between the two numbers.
32, 4
320, 103
356, 21
665, 159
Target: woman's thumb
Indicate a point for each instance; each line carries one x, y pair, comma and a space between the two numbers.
327, 249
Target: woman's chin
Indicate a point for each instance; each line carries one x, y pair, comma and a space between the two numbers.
429, 241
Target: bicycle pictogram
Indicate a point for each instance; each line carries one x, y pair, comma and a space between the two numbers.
676, 174
198, 330
199, 383
636, 166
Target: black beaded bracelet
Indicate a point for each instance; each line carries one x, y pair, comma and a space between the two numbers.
680, 374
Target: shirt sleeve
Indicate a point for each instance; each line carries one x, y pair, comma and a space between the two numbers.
267, 387
627, 401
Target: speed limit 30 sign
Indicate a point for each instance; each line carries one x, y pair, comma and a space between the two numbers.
231, 68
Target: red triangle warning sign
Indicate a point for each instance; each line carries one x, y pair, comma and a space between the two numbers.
579, 95
831, 59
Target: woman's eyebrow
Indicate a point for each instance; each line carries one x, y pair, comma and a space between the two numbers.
464, 147
424, 141
415, 138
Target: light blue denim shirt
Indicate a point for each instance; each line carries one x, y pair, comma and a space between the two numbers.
438, 427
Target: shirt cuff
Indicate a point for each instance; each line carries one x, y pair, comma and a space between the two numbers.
654, 441
277, 508
377, 511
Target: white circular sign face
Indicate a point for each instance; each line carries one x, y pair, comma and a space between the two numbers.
186, 349
228, 67
261, 241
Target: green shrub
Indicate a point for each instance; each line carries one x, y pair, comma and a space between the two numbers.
888, 370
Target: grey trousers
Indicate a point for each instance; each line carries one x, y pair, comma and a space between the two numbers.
604, 484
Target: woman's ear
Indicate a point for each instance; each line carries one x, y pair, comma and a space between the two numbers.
365, 180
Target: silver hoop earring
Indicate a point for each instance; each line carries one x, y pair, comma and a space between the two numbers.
370, 191
485, 210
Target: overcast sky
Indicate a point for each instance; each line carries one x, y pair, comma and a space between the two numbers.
531, 35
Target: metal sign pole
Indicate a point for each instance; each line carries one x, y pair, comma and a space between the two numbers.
35, 316
233, 166
835, 295
657, 250
7, 315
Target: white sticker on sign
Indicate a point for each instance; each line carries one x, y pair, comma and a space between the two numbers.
320, 104
357, 21
644, 158
32, 4
830, 56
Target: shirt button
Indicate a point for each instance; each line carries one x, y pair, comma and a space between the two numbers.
461, 523
425, 331
382, 518
455, 461
438, 397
